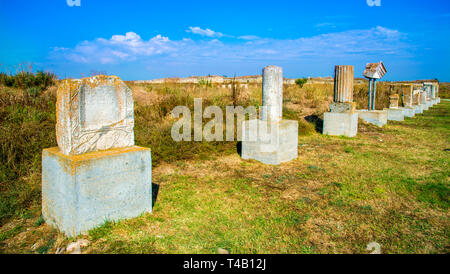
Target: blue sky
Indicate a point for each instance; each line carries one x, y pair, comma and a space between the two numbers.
151, 39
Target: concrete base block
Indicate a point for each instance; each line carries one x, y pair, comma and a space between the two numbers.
338, 124
376, 117
439, 100
408, 111
270, 142
81, 192
418, 109
395, 114
425, 106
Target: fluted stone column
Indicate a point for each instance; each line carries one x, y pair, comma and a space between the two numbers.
342, 119
343, 84
272, 93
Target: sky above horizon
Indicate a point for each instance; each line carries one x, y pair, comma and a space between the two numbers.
140, 40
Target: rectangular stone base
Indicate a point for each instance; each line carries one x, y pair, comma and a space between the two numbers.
375, 117
418, 109
408, 111
270, 142
81, 192
395, 114
340, 124
425, 106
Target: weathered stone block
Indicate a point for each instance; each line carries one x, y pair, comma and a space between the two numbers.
94, 114
395, 114
270, 142
343, 107
81, 192
376, 117
393, 101
418, 109
408, 111
340, 124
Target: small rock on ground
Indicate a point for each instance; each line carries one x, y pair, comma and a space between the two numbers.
222, 251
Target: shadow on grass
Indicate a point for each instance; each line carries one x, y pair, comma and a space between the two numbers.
317, 121
239, 148
155, 190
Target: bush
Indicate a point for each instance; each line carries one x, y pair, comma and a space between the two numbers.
301, 81
25, 79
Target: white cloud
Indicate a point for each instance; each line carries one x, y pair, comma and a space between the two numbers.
325, 25
249, 37
204, 32
181, 55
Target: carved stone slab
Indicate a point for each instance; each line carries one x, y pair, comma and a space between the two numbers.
94, 114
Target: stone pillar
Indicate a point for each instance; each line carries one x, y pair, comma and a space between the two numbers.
416, 97
270, 139
342, 119
423, 97
393, 101
272, 93
343, 84
408, 97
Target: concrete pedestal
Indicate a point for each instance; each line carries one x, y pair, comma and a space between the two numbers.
408, 111
270, 142
376, 117
340, 124
418, 109
425, 106
83, 191
395, 114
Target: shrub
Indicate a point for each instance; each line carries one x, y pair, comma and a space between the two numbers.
25, 79
301, 81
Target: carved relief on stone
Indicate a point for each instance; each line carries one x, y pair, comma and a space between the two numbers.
94, 114
393, 101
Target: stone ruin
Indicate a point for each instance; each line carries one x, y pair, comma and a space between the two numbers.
270, 139
393, 101
342, 118
94, 114
96, 173
374, 72
424, 99
407, 98
416, 101
394, 112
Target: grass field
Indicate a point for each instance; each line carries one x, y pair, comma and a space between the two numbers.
388, 185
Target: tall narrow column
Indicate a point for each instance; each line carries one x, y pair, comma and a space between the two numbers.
272, 93
343, 84
370, 94
374, 90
